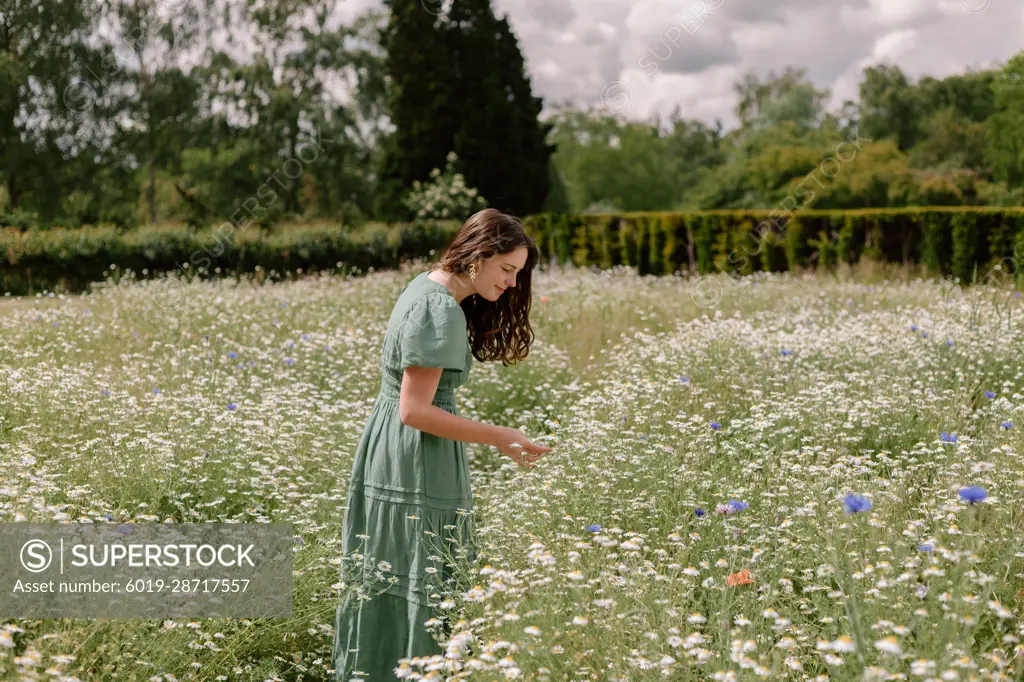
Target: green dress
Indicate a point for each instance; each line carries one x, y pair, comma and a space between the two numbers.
409, 492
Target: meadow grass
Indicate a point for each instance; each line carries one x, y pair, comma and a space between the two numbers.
691, 523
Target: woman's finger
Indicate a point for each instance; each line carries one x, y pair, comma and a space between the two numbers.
523, 463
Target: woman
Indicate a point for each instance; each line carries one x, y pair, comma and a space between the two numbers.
410, 481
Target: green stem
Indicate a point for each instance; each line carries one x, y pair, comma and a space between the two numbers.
850, 600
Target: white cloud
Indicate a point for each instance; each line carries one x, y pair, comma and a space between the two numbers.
895, 12
575, 48
892, 47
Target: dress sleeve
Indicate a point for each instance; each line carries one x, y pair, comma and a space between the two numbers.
433, 335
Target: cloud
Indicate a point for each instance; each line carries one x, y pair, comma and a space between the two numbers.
692, 42
575, 48
555, 15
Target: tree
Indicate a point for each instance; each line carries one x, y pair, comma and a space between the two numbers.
558, 199
458, 84
890, 106
158, 104
789, 97
950, 140
287, 147
971, 94
615, 163
1006, 127
605, 161
421, 66
47, 75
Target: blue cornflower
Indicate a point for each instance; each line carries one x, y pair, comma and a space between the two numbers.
716, 425
232, 406
289, 361
924, 335
304, 337
1007, 425
155, 391
786, 352
233, 355
856, 503
736, 505
106, 392
109, 517
594, 527
926, 547
972, 494
947, 437
699, 512
135, 334
913, 327
684, 380
990, 395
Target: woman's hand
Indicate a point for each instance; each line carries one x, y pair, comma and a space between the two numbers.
513, 443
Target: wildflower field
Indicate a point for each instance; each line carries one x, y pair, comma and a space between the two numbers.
816, 477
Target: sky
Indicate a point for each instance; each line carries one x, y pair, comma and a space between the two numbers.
645, 57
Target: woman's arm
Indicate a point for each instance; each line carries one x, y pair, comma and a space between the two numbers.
416, 409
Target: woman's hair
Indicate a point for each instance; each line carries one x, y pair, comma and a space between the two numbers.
498, 330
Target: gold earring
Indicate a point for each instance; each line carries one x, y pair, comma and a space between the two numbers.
472, 271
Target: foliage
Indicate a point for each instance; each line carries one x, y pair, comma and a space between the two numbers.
954, 141
951, 240
1006, 128
130, 113
61, 259
151, 121
607, 161
459, 84
445, 197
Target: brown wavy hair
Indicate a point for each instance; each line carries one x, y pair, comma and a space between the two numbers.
498, 330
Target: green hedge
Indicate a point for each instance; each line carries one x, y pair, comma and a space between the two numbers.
68, 260
957, 241
964, 242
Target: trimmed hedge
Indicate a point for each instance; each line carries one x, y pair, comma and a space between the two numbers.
69, 259
957, 241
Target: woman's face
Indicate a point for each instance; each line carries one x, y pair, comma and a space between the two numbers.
498, 273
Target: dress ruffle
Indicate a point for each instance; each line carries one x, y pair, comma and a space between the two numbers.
416, 516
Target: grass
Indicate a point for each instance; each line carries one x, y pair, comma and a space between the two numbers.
596, 565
